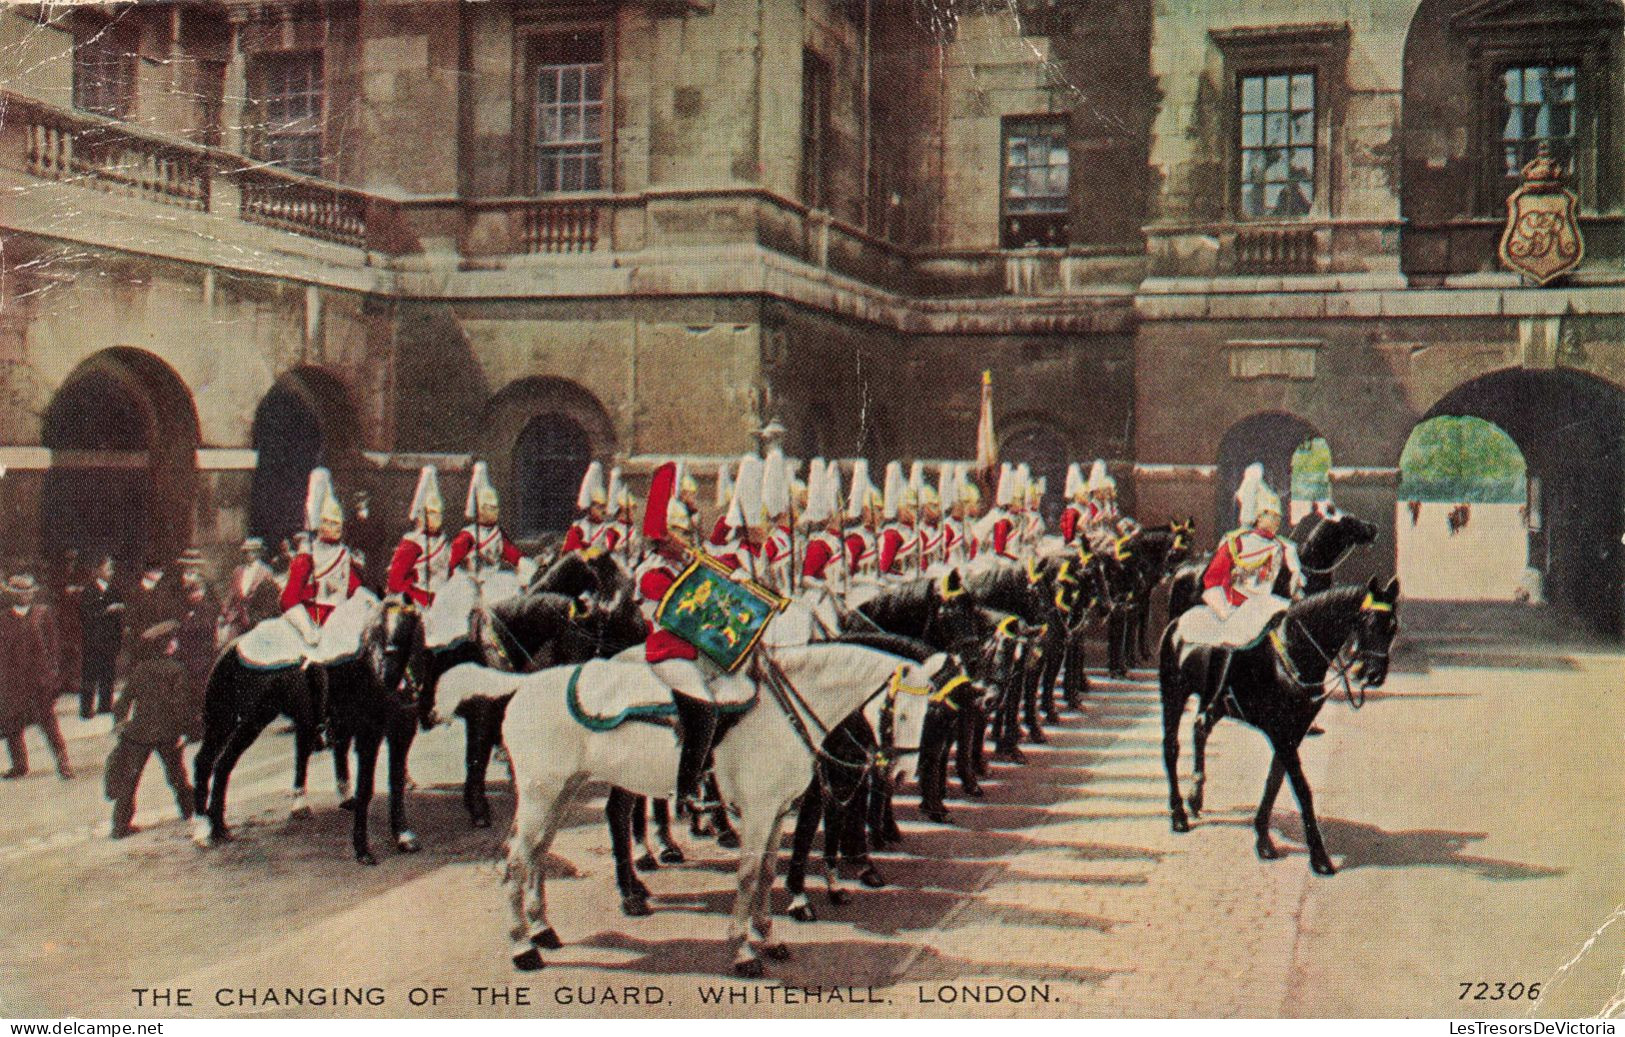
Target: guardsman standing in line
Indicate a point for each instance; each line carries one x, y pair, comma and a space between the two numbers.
1032, 533
623, 539
929, 524
823, 567
997, 529
688, 491
590, 529
899, 539
777, 550
726, 530
422, 561
1100, 523
1076, 510
325, 575
482, 546
862, 537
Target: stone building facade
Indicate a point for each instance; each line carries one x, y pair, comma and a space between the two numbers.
245, 236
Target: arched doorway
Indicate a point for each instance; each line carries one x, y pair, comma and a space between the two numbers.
1041, 447
1311, 482
124, 435
1465, 528
549, 458
305, 420
1272, 439
539, 435
1570, 430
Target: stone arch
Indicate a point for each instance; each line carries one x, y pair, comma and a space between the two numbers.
123, 429
1269, 437
307, 418
1038, 440
538, 436
1570, 427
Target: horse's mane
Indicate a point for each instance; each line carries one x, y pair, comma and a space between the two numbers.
896, 644
1313, 610
904, 598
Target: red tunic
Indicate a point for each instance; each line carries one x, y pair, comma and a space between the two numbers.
891, 542
1071, 522
819, 554
662, 644
301, 588
1221, 571
1003, 534
403, 573
463, 545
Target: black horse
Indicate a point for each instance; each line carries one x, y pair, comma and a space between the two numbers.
1154, 554
375, 696
1278, 685
1324, 538
1029, 592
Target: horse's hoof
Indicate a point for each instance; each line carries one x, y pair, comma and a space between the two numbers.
201, 834
299, 812
1195, 803
672, 855
938, 815
481, 820
347, 804
635, 906
1180, 823
777, 951
801, 909
647, 863
547, 939
1052, 717
728, 840
528, 960
972, 790
872, 878
749, 968
1322, 866
1267, 851
366, 857
1036, 737
839, 897
1314, 729
407, 842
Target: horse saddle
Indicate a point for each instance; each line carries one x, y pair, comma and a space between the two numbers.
1244, 628
275, 643
602, 694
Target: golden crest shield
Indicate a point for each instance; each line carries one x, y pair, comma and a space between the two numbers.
1542, 237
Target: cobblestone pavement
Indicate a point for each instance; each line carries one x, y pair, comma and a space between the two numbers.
1473, 812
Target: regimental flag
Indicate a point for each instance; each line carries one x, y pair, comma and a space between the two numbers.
721, 617
987, 444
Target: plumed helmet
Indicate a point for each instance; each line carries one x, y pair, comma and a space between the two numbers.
747, 500
947, 485
321, 503
895, 486
1006, 490
427, 494
1098, 479
1075, 488
858, 497
812, 513
592, 487
725, 486
775, 484
480, 491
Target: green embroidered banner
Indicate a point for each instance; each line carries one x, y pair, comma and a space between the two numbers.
721, 617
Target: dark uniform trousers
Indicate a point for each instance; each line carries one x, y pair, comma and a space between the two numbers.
124, 766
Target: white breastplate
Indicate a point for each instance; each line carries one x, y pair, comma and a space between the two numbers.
331, 570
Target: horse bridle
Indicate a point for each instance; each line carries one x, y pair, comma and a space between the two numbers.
1334, 663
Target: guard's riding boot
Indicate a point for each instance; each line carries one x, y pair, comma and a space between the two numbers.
696, 725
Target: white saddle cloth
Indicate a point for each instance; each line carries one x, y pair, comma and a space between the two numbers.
449, 617
608, 692
1245, 625
277, 642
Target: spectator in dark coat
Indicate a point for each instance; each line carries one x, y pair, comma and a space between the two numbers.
101, 617
67, 588
199, 611
159, 708
28, 678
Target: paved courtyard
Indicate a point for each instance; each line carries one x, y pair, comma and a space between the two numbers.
1473, 810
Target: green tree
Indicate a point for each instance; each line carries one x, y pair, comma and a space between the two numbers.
1457, 458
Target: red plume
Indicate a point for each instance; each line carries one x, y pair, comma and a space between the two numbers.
660, 494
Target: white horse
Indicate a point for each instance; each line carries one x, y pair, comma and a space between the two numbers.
762, 765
